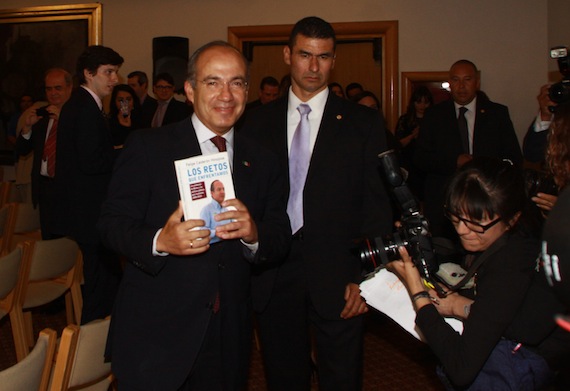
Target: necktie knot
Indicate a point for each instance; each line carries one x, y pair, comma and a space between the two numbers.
304, 109
462, 110
219, 142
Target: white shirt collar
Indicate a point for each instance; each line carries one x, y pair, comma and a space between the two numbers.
471, 106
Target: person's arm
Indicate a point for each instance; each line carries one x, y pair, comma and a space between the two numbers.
124, 224
534, 144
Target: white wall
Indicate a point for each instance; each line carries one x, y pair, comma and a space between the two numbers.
507, 39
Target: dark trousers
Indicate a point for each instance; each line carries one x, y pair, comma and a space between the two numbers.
285, 327
102, 274
207, 373
47, 201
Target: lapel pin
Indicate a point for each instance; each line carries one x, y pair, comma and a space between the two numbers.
338, 116
245, 163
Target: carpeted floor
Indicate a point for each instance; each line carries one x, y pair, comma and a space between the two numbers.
393, 360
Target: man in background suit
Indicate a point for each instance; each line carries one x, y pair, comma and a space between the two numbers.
33, 137
168, 109
182, 318
85, 158
138, 81
342, 199
442, 148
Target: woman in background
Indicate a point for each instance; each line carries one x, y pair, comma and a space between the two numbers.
407, 131
123, 113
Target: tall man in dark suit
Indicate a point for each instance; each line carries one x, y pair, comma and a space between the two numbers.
168, 110
85, 158
138, 81
38, 135
182, 318
442, 146
341, 199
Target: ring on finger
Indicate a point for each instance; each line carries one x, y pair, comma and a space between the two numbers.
191, 244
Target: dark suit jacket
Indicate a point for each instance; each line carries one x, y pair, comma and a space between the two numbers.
164, 303
439, 145
84, 163
534, 145
176, 112
344, 197
147, 110
34, 144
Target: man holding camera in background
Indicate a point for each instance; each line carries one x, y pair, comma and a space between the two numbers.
38, 134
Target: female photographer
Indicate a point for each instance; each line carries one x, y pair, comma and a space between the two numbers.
557, 155
508, 314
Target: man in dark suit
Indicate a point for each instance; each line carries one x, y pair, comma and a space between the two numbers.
341, 199
442, 147
138, 81
168, 110
182, 318
85, 157
38, 126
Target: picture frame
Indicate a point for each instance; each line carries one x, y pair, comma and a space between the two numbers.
39, 38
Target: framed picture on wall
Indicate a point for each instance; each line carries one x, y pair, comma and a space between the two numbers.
35, 39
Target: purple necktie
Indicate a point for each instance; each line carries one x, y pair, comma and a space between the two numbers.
299, 158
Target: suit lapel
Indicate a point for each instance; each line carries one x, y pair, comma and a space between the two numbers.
328, 131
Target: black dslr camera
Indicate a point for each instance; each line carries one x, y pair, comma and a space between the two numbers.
413, 233
560, 92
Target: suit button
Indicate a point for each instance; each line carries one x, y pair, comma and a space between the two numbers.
221, 266
210, 306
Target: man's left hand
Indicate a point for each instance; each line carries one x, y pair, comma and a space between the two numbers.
355, 304
242, 225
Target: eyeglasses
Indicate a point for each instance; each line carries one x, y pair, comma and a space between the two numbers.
472, 225
216, 85
163, 87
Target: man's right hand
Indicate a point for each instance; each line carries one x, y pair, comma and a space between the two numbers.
30, 119
178, 238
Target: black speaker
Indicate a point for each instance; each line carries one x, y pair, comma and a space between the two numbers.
170, 54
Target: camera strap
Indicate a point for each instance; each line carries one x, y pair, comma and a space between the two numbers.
496, 246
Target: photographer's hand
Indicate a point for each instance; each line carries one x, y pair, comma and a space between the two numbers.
410, 276
544, 201
355, 304
452, 305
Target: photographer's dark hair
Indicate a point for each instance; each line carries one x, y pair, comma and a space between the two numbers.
93, 57
487, 187
312, 27
113, 110
558, 149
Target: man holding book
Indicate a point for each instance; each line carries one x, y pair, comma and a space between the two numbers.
182, 319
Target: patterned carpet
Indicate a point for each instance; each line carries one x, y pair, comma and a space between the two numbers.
393, 360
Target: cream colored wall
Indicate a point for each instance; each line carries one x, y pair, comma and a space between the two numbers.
507, 39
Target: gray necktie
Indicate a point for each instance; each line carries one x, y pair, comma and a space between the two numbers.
463, 129
299, 158
159, 114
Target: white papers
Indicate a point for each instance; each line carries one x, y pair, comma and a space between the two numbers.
386, 293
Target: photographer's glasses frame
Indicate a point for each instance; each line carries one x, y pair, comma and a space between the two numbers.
472, 225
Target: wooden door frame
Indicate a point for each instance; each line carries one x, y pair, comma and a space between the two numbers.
387, 30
